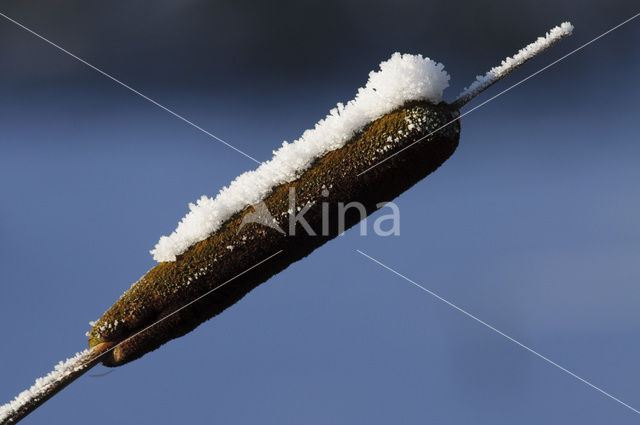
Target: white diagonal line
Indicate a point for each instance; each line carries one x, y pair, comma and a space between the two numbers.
131, 89
531, 350
504, 91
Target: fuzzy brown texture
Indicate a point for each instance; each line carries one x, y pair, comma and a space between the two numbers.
209, 263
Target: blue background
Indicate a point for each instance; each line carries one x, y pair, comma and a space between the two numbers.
533, 225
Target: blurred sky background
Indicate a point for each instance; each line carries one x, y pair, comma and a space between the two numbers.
533, 225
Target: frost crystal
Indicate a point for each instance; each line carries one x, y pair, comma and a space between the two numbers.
44, 384
510, 63
400, 79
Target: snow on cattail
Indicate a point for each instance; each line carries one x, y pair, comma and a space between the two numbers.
401, 78
396, 131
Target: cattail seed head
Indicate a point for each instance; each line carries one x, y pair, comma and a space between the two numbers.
169, 286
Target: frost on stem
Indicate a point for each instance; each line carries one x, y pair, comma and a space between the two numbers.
63, 374
509, 64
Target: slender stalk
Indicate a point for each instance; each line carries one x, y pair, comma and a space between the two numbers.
48, 386
510, 64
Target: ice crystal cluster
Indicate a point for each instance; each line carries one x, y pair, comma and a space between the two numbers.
402, 78
43, 385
